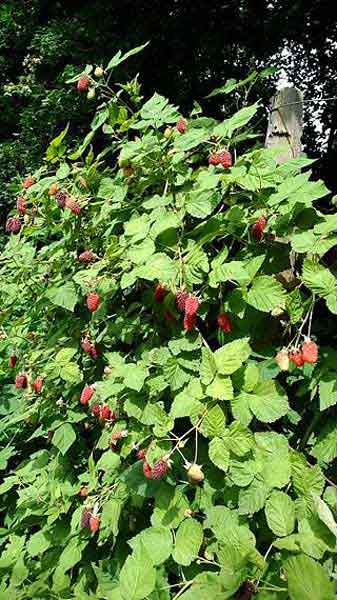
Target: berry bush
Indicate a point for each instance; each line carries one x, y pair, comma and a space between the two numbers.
168, 369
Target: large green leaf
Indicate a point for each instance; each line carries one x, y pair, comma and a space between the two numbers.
307, 580
280, 514
188, 541
230, 357
63, 295
266, 294
137, 577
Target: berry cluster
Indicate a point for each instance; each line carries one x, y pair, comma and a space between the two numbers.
306, 353
223, 158
189, 304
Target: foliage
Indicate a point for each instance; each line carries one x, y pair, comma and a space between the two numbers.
152, 211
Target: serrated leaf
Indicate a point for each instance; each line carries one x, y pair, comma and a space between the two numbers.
307, 580
215, 421
268, 402
64, 437
266, 294
188, 541
137, 577
239, 439
157, 541
325, 448
218, 453
64, 296
280, 514
221, 388
253, 498
230, 357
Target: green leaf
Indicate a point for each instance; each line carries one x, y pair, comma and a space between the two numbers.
188, 541
253, 498
328, 390
71, 373
272, 452
239, 439
38, 543
118, 58
161, 267
218, 453
239, 119
64, 437
221, 388
266, 294
325, 448
268, 402
280, 514
230, 357
307, 580
137, 577
201, 203
157, 542
208, 367
191, 139
64, 296
215, 421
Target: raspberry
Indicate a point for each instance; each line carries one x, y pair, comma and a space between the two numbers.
37, 385
128, 171
93, 301
21, 205
85, 518
96, 410
83, 491
83, 83
141, 454
86, 345
73, 205
258, 228
21, 381
106, 413
160, 469
195, 474
181, 297
61, 198
94, 351
88, 256
190, 322
224, 322
223, 158
54, 188
181, 125
12, 361
191, 305
28, 182
160, 293
147, 470
282, 359
98, 72
119, 435
13, 225
246, 591
86, 394
310, 351
91, 93
94, 523
113, 447
296, 357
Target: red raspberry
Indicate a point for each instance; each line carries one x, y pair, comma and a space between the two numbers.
160, 293
223, 158
28, 182
296, 357
54, 188
73, 205
214, 159
119, 435
181, 125
13, 225
61, 198
258, 228
191, 305
181, 297
85, 518
93, 301
96, 410
86, 394
147, 470
224, 322
87, 257
190, 322
94, 351
86, 345
141, 454
12, 361
310, 352
37, 385
83, 83
106, 413
21, 381
94, 524
160, 469
21, 205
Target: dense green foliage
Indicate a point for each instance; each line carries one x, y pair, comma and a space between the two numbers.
194, 47
152, 210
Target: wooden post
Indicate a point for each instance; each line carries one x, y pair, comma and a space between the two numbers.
285, 124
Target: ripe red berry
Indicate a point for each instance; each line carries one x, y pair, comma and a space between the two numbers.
224, 322
96, 410
21, 381
61, 198
94, 523
190, 322
105, 413
13, 225
93, 301
37, 385
296, 357
214, 159
94, 351
73, 205
160, 292
147, 470
12, 361
86, 394
160, 469
141, 454
191, 305
88, 256
181, 125
181, 297
86, 345
258, 228
83, 83
223, 158
85, 518
21, 205
28, 182
310, 352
